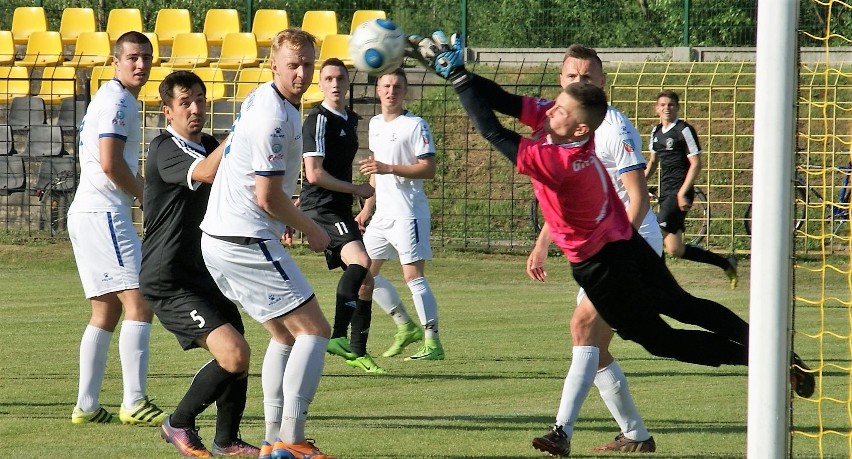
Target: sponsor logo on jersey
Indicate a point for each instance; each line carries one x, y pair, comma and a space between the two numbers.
278, 133
425, 134
580, 164
342, 132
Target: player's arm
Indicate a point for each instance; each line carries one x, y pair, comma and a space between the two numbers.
111, 154
270, 196
317, 175
637, 190
424, 168
651, 167
538, 255
205, 170
689, 181
367, 209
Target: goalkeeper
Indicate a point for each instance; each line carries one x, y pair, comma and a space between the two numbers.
624, 278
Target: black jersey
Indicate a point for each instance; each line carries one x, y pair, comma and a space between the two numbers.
171, 245
326, 134
672, 148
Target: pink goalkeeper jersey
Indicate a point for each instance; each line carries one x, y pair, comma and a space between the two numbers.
573, 189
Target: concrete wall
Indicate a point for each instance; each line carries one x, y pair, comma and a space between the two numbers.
838, 56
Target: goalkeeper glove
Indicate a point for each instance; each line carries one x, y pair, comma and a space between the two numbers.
442, 56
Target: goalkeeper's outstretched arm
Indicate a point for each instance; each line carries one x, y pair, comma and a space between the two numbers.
474, 96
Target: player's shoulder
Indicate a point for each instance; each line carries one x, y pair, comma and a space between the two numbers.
209, 142
683, 125
616, 123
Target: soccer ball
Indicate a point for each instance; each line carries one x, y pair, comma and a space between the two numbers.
377, 47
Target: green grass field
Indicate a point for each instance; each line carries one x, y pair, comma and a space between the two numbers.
507, 346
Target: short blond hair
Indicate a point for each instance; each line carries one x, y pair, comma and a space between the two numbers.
293, 38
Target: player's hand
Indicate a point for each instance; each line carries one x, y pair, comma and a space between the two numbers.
439, 54
535, 263
364, 190
287, 237
361, 219
370, 166
318, 238
684, 203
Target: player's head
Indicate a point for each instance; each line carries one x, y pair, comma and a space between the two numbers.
184, 103
577, 112
334, 82
667, 106
133, 55
391, 89
582, 64
292, 59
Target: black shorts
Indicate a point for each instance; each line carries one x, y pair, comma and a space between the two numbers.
191, 315
670, 217
342, 229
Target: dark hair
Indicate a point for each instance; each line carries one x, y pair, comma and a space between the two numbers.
578, 51
333, 61
137, 38
398, 72
181, 79
592, 102
670, 94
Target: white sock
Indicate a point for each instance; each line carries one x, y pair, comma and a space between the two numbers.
272, 380
133, 349
426, 306
615, 393
93, 356
386, 296
581, 374
301, 379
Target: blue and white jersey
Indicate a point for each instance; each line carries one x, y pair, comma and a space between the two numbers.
265, 139
402, 140
112, 113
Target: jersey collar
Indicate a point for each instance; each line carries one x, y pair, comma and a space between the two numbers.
190, 143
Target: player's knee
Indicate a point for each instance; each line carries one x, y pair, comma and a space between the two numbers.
235, 358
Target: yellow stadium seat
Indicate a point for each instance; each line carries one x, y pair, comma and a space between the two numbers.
214, 80
25, 21
100, 74
267, 24
238, 50
155, 43
44, 49
150, 93
249, 79
170, 22
123, 20
14, 82
220, 22
189, 50
320, 23
313, 96
361, 16
336, 45
7, 48
92, 49
58, 83
74, 22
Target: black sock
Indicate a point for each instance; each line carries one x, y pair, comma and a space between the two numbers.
347, 297
700, 255
207, 386
229, 411
361, 327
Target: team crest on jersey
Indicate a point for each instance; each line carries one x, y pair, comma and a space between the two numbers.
628, 145
424, 134
276, 148
669, 143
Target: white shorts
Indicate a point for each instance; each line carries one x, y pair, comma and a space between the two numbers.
108, 251
650, 231
261, 277
407, 240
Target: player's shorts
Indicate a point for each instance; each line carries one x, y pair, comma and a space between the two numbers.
670, 216
342, 229
107, 250
191, 315
260, 276
406, 239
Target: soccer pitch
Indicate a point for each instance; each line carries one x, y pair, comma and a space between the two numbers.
507, 345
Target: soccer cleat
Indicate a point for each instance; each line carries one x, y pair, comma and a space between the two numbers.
186, 440
340, 346
431, 350
303, 450
237, 448
265, 450
731, 272
145, 413
801, 378
406, 334
555, 442
367, 364
624, 444
99, 416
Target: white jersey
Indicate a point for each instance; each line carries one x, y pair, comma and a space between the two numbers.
112, 113
266, 139
619, 147
402, 140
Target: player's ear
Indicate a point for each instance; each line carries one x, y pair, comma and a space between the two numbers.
582, 130
166, 112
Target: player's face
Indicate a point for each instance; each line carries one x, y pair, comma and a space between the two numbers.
391, 90
582, 70
666, 109
561, 122
293, 71
133, 65
334, 83
187, 111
